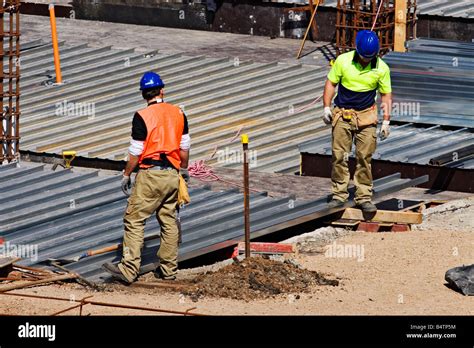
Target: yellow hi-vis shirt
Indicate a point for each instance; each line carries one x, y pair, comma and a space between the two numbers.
358, 85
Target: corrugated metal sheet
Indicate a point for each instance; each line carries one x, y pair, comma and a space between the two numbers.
220, 98
448, 8
218, 95
408, 143
66, 213
438, 75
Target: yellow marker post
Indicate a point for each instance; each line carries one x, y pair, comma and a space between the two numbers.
54, 34
245, 144
68, 157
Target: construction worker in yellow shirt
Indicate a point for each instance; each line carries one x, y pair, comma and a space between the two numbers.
359, 74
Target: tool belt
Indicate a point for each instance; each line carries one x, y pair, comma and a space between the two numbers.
359, 119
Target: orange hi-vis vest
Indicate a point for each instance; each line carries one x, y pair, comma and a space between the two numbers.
165, 124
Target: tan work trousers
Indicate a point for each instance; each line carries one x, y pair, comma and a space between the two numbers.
155, 191
343, 134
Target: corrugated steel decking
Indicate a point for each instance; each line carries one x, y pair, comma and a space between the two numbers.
219, 98
66, 213
408, 143
437, 74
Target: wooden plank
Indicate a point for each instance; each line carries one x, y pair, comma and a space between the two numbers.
345, 222
403, 217
400, 25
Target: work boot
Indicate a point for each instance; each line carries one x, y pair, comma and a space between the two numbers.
160, 275
115, 272
335, 203
367, 207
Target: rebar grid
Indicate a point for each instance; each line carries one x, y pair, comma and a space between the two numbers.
355, 15
10, 75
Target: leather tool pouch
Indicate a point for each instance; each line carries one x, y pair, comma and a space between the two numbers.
336, 115
366, 117
183, 194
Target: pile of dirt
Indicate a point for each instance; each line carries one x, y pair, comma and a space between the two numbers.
256, 278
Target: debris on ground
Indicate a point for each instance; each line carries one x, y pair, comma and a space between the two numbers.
456, 215
461, 279
256, 278
14, 276
315, 242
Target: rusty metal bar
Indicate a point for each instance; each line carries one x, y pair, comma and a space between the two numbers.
67, 309
80, 305
355, 15
104, 304
245, 144
10, 95
115, 305
3, 145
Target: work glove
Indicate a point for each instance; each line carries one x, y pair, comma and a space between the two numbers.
126, 185
185, 174
327, 116
385, 130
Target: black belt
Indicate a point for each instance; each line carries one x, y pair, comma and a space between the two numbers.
157, 163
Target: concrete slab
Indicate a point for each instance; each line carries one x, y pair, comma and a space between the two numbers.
169, 40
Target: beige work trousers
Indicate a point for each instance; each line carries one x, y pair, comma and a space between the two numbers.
155, 191
343, 134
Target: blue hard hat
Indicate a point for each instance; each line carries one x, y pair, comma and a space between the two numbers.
151, 80
367, 44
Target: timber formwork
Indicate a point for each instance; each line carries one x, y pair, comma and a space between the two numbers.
10, 75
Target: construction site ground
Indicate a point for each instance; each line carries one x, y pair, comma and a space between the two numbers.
399, 273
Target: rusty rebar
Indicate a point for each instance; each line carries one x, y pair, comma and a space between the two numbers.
105, 304
116, 305
245, 144
355, 15
67, 309
10, 98
80, 305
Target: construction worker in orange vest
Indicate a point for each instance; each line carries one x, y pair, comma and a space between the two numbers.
160, 148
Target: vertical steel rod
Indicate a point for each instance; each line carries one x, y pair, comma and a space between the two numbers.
2, 110
17, 87
245, 144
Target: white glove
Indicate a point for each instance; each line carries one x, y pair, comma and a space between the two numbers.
327, 116
385, 130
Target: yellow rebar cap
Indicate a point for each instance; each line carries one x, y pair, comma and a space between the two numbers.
245, 139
